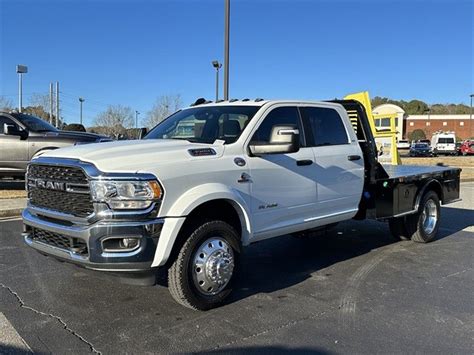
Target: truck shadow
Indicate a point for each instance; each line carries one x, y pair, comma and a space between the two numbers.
283, 262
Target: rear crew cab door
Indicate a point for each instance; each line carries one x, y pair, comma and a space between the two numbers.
339, 163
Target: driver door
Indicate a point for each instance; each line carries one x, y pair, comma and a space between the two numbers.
282, 186
13, 149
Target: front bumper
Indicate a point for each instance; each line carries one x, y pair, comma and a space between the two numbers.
92, 236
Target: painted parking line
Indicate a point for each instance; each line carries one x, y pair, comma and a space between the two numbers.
10, 340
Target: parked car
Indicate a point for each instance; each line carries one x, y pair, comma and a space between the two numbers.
420, 150
214, 178
466, 148
403, 144
24, 136
444, 143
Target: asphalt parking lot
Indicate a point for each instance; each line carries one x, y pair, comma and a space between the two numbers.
353, 291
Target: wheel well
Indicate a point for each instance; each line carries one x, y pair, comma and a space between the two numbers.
433, 185
212, 210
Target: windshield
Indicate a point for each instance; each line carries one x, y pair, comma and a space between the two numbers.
205, 124
421, 145
34, 124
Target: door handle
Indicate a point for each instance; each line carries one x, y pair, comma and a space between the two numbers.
353, 157
304, 162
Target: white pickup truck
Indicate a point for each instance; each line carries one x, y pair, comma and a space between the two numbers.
216, 177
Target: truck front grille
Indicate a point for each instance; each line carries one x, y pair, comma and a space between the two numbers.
60, 241
59, 188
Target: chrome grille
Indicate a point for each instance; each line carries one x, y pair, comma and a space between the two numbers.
75, 245
74, 199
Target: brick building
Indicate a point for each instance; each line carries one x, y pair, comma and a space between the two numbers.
462, 125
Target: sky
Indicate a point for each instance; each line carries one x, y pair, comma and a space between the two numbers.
131, 52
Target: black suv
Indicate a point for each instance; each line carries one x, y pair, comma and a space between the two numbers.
24, 136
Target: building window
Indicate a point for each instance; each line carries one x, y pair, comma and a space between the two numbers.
461, 123
412, 123
445, 123
428, 123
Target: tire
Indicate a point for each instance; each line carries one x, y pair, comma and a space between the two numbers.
212, 246
423, 226
397, 228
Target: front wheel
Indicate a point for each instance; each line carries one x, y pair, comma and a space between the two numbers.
201, 276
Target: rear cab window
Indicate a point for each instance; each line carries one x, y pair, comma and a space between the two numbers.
324, 126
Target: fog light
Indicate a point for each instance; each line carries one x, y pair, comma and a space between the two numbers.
129, 243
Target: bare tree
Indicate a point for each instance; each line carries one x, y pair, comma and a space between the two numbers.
163, 107
115, 120
5, 104
39, 106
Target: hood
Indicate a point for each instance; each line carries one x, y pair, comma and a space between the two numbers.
134, 155
73, 135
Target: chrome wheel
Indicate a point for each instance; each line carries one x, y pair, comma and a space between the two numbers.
213, 264
429, 217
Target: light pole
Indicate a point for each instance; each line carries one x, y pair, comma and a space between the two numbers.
226, 48
136, 118
20, 69
81, 100
217, 65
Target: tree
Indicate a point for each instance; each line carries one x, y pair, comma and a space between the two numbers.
416, 107
417, 134
115, 120
5, 104
163, 107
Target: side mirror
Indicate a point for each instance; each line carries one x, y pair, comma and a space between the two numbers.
142, 132
283, 140
12, 130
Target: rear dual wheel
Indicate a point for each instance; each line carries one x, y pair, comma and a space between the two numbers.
421, 226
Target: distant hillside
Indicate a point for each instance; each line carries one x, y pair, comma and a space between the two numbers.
417, 107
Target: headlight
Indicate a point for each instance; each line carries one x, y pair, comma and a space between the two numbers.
126, 194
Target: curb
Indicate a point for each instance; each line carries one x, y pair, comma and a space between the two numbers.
14, 212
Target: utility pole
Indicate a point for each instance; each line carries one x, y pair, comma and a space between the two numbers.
20, 69
51, 100
136, 123
217, 65
81, 100
226, 48
57, 104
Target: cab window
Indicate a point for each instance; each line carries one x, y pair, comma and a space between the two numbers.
325, 126
287, 116
5, 121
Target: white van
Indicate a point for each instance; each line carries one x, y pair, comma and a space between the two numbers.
444, 143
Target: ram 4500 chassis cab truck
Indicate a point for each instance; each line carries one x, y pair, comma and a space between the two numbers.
216, 177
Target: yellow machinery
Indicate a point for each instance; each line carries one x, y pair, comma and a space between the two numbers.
386, 139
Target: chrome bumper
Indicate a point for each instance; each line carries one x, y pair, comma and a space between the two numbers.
140, 259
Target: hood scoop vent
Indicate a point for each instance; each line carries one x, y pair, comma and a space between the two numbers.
201, 152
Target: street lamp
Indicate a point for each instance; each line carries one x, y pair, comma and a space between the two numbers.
217, 65
136, 118
81, 100
20, 69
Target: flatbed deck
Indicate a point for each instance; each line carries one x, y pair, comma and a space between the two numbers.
416, 171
